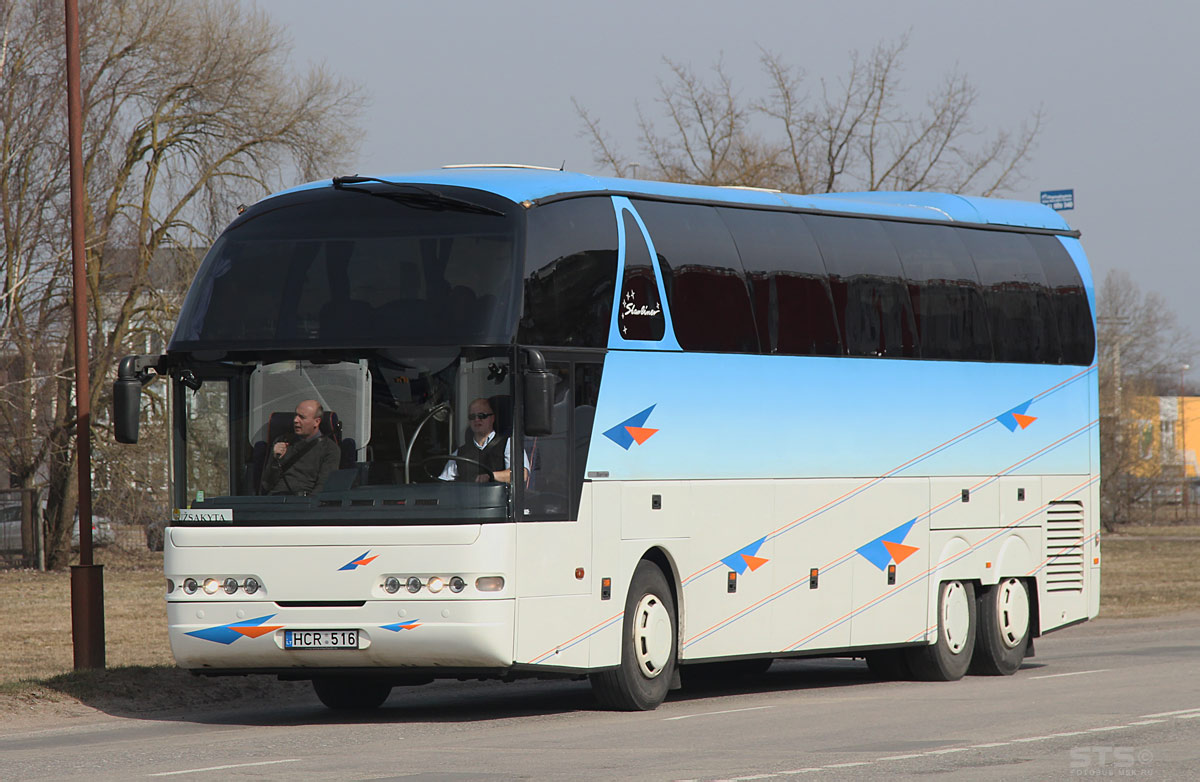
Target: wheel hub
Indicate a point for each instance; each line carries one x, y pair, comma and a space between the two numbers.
1012, 612
652, 636
956, 616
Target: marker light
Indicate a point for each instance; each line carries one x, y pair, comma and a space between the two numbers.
457, 584
413, 584
251, 586
489, 583
391, 585
190, 586
170, 586
435, 584
230, 586
211, 586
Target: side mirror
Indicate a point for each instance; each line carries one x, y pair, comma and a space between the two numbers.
127, 407
539, 396
132, 374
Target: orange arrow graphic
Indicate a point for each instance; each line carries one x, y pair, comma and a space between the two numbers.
255, 632
754, 563
900, 551
1024, 420
640, 434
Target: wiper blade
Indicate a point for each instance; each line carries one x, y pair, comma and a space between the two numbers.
413, 195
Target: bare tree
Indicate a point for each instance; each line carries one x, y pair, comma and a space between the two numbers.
188, 109
852, 135
1141, 342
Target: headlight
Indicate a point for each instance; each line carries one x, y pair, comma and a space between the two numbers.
190, 586
251, 586
211, 586
414, 584
457, 584
435, 585
391, 585
230, 586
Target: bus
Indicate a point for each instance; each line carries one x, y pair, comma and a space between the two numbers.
740, 425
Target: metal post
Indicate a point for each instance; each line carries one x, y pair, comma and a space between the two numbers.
87, 578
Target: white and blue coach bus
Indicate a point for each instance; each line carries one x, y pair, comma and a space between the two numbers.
755, 426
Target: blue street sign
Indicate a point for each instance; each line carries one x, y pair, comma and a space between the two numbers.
1059, 200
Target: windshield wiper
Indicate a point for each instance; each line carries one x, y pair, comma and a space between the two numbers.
413, 195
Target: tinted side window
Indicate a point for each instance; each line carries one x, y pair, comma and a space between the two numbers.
944, 287
640, 313
793, 307
710, 305
570, 266
1075, 330
1024, 326
870, 296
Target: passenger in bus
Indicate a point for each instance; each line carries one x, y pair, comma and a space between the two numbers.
301, 461
485, 446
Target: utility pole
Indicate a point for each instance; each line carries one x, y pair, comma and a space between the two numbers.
87, 578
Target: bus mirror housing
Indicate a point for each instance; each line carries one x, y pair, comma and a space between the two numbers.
539, 395
132, 374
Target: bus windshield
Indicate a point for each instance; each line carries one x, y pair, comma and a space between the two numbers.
361, 265
394, 440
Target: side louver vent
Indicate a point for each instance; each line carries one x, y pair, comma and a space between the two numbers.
1064, 546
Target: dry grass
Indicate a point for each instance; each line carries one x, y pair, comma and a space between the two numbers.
35, 610
1147, 571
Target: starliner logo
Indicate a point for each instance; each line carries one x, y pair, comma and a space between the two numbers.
633, 308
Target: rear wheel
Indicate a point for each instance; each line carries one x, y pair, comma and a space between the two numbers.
1003, 636
648, 641
351, 694
947, 659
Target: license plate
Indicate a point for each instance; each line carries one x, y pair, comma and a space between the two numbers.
320, 639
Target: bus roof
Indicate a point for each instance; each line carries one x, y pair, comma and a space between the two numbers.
533, 184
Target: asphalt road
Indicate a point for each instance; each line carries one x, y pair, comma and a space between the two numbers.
1112, 698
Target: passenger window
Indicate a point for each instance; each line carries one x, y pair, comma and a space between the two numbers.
639, 312
793, 307
944, 288
570, 265
1075, 330
707, 294
1023, 323
870, 296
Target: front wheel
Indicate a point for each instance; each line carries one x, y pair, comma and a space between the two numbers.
648, 641
1003, 636
344, 693
947, 659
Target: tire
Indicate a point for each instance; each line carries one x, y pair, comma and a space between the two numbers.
351, 694
948, 658
649, 638
889, 664
1003, 635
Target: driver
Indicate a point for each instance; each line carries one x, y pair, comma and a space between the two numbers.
494, 453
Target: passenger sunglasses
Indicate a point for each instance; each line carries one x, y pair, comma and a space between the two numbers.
478, 416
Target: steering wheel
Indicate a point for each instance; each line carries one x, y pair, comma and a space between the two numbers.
451, 457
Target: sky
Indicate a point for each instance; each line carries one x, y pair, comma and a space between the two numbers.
476, 82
